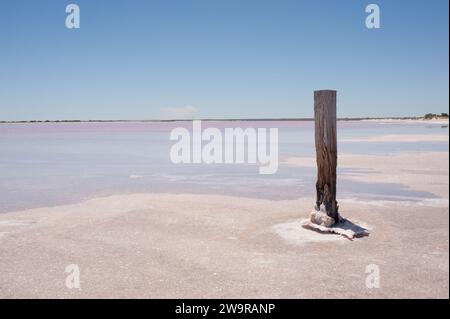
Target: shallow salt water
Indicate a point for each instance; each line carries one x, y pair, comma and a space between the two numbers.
48, 164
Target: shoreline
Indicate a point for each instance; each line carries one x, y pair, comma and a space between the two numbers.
419, 171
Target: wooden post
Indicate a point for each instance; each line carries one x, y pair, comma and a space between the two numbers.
326, 152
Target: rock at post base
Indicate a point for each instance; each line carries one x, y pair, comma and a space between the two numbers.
321, 218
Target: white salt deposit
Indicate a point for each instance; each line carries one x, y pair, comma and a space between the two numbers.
293, 233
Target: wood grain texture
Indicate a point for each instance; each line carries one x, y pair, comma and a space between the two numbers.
326, 151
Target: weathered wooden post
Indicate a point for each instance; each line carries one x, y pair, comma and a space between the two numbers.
325, 213
326, 208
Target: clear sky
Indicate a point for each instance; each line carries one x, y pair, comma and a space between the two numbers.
221, 58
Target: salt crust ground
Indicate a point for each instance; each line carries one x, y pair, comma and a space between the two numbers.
211, 246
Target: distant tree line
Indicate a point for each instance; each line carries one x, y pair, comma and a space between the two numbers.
430, 116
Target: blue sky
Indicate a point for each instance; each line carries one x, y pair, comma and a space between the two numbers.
220, 58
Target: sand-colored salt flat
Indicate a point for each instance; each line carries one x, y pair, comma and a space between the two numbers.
408, 138
194, 246
421, 171
440, 121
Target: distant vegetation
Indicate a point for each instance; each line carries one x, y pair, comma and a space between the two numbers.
430, 116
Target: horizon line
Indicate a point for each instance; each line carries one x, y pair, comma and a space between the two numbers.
224, 119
